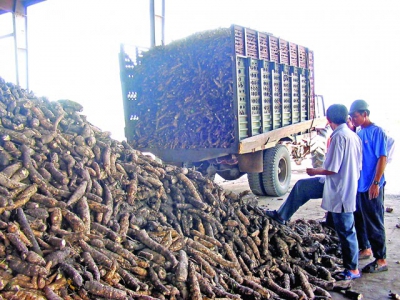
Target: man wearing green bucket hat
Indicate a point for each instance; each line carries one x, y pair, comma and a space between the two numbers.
369, 215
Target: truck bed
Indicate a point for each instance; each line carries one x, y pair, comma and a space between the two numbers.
227, 91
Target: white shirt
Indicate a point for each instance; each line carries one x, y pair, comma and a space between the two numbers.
390, 148
344, 157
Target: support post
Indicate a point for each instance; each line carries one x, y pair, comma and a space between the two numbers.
157, 23
21, 47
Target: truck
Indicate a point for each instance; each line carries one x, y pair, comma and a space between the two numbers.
230, 101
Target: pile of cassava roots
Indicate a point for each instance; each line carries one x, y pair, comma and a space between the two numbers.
83, 216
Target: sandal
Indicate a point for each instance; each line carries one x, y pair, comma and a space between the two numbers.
374, 268
347, 275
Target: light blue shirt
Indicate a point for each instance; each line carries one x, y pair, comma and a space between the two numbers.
344, 157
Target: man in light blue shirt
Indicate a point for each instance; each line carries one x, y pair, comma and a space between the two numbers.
342, 170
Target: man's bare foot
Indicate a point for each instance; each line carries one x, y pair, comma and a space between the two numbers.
381, 262
366, 252
355, 272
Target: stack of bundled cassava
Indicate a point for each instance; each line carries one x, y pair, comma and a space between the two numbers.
83, 216
185, 93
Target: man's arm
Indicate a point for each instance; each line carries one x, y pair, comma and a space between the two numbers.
380, 168
318, 171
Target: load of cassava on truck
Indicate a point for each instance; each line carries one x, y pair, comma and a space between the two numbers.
228, 101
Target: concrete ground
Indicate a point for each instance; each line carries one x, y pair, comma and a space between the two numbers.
372, 286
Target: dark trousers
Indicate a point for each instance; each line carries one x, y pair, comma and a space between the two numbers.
370, 226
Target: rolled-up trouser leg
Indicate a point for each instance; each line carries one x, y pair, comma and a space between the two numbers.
301, 193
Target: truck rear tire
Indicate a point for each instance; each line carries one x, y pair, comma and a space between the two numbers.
318, 147
255, 183
277, 171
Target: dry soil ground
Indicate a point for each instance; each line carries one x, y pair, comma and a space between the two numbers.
372, 286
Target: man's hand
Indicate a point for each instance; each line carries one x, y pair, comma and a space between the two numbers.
312, 171
373, 191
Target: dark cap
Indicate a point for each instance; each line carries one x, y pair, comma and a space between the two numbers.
358, 105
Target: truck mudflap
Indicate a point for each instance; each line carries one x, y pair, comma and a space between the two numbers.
251, 162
